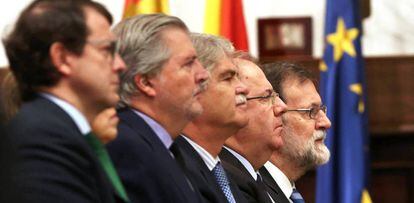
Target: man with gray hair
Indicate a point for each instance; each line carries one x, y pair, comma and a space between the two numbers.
159, 94
250, 147
304, 130
224, 105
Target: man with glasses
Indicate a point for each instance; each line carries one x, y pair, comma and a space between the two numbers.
249, 148
62, 56
159, 94
304, 130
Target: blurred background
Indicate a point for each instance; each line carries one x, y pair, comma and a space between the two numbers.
294, 30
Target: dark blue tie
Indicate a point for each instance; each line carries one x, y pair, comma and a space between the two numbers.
296, 197
223, 182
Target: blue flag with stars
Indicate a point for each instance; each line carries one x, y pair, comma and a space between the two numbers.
344, 178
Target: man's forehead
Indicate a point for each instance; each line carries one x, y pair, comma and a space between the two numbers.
178, 43
301, 92
224, 64
98, 25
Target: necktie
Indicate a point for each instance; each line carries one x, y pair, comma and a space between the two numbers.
223, 182
296, 197
106, 164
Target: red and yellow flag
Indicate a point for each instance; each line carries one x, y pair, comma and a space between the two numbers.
135, 7
226, 18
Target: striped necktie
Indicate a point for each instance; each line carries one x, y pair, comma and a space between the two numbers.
223, 182
296, 197
106, 164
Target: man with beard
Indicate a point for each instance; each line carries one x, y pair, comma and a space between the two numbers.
304, 130
249, 148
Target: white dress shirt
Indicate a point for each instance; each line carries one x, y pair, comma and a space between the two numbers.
208, 159
281, 179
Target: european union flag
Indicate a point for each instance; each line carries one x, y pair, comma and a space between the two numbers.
343, 179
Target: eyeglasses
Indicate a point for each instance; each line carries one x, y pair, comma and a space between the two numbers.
313, 111
110, 47
271, 96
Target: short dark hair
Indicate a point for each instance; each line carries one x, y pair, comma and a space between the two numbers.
279, 72
41, 24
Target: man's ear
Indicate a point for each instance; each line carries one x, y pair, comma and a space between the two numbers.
144, 85
60, 58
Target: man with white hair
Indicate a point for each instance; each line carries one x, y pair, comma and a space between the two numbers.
250, 147
304, 131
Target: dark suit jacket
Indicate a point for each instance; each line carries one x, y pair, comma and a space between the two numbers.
274, 190
146, 167
7, 163
55, 164
201, 176
252, 191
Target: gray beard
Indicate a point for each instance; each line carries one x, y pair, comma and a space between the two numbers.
305, 154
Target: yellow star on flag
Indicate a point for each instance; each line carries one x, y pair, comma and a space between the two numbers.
357, 89
322, 66
365, 197
342, 39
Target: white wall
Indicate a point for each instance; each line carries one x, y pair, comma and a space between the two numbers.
388, 31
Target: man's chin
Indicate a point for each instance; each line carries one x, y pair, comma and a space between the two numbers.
195, 110
323, 155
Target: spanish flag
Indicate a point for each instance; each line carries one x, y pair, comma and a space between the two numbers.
135, 7
226, 18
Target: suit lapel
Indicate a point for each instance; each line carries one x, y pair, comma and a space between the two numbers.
272, 187
230, 159
192, 161
242, 177
144, 130
138, 124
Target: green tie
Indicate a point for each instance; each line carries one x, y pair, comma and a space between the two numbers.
106, 164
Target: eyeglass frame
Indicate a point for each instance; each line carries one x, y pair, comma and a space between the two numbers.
111, 47
310, 114
272, 95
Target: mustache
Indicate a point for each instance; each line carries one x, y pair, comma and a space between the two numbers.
201, 87
319, 134
241, 99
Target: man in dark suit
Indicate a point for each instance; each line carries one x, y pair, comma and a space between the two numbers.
304, 129
224, 105
159, 94
248, 149
62, 55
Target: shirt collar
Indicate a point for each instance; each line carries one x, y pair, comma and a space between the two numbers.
75, 114
208, 159
245, 163
281, 179
160, 131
